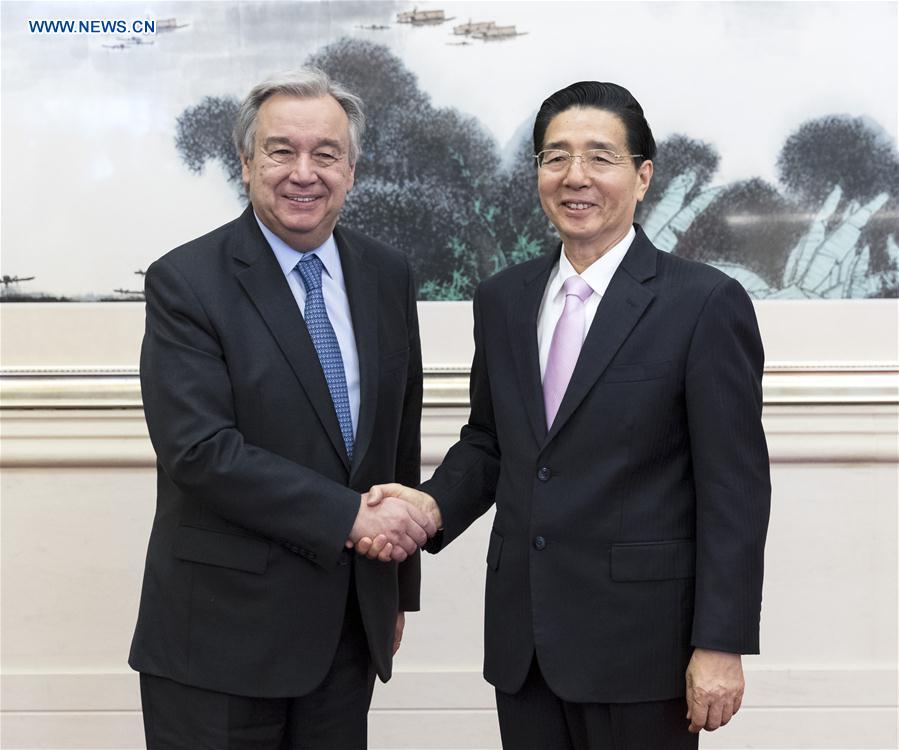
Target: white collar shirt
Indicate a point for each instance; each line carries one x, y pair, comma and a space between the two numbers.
598, 275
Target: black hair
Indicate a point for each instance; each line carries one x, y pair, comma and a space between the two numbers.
606, 96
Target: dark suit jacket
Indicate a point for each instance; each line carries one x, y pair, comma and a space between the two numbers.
246, 576
634, 529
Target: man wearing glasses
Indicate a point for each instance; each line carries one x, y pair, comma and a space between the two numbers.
616, 424
281, 377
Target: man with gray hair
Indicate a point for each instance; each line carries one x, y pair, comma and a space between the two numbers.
281, 377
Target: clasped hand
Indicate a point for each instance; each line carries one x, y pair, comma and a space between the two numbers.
393, 522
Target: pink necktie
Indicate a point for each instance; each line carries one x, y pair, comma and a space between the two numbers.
566, 345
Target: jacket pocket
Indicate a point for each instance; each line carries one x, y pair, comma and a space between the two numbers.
653, 561
225, 550
395, 360
631, 373
494, 550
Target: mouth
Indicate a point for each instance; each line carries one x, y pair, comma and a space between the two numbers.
302, 199
578, 205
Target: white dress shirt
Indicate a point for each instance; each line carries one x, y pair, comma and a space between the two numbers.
336, 303
598, 275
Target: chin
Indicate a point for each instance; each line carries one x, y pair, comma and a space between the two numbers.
306, 224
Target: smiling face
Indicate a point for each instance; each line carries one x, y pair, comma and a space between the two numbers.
591, 209
300, 199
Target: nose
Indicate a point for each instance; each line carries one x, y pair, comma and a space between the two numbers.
302, 170
576, 174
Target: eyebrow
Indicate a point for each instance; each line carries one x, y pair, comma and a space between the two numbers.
563, 145
277, 140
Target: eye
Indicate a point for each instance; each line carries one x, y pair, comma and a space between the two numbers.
281, 155
325, 157
554, 157
601, 158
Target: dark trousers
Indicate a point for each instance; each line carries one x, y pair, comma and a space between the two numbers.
332, 717
534, 718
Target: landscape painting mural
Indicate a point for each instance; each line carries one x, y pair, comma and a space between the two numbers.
776, 126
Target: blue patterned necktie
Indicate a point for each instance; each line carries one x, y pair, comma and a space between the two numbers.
325, 341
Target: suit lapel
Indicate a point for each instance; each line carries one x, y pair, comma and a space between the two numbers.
621, 307
264, 282
522, 313
362, 290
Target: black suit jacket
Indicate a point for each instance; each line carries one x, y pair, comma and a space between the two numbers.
246, 575
634, 528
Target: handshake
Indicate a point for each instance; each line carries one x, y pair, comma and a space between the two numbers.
393, 522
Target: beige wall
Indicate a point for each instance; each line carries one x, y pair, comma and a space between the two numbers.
77, 502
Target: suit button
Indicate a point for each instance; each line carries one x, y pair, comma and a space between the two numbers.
539, 543
544, 474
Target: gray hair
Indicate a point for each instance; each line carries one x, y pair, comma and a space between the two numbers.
305, 83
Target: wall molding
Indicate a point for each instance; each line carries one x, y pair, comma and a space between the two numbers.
446, 386
93, 416
117, 438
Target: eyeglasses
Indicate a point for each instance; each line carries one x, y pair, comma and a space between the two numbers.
594, 159
321, 157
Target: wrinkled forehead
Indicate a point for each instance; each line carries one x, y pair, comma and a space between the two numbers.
288, 117
586, 127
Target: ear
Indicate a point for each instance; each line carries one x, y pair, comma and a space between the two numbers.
244, 169
644, 177
351, 177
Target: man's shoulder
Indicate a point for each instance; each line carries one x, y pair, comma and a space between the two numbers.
688, 275
203, 250
514, 276
687, 289
374, 251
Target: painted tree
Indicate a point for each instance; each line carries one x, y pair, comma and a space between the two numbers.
431, 182
832, 235
203, 133
679, 190
749, 224
844, 171
423, 174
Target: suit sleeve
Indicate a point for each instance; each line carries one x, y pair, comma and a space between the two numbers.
189, 407
408, 455
464, 485
730, 470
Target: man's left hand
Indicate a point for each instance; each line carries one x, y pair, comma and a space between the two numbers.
714, 688
398, 632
